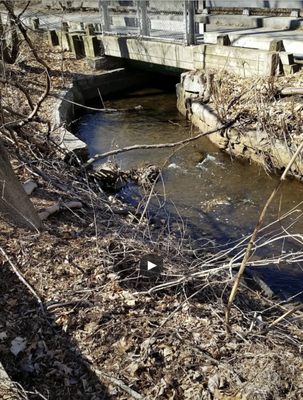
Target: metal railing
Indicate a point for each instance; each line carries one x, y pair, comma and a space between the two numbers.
155, 19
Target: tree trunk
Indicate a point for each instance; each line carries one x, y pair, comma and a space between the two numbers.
15, 206
9, 43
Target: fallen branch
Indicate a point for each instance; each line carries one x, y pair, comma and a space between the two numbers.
157, 146
104, 110
286, 314
115, 381
58, 207
290, 91
72, 303
22, 279
254, 235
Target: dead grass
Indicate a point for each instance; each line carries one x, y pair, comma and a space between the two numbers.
257, 103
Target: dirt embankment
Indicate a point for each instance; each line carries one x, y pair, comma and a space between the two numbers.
104, 331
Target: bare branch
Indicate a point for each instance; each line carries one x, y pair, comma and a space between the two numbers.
8, 5
22, 279
157, 146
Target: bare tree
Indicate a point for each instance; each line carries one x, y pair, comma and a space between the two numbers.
14, 122
9, 40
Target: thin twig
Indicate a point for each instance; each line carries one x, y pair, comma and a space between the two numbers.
22, 279
102, 110
101, 98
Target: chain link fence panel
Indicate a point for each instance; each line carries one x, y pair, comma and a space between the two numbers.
155, 19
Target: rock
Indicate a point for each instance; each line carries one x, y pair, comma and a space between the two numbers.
109, 175
73, 146
148, 175
209, 205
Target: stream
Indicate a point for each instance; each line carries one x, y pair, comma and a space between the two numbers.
218, 199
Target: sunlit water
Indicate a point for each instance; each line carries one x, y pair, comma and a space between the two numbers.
218, 198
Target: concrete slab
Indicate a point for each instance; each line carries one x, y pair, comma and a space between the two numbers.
244, 21
260, 38
245, 62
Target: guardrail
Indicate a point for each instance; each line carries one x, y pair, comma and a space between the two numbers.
227, 5
169, 21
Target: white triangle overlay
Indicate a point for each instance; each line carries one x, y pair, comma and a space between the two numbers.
150, 265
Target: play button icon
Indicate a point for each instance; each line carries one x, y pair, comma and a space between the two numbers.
151, 265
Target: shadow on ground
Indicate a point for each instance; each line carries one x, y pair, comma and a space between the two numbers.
50, 363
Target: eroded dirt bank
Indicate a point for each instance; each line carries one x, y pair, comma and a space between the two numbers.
103, 331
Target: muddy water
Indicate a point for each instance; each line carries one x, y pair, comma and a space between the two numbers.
218, 198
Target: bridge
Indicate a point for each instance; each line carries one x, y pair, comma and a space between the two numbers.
185, 35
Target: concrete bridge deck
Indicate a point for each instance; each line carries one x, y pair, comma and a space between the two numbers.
241, 29
250, 51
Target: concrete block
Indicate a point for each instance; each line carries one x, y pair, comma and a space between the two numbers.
235, 52
104, 63
223, 40
162, 53
64, 41
64, 27
76, 27
53, 39
201, 28
287, 58
203, 19
276, 45
73, 146
35, 24
77, 45
97, 63
244, 62
246, 11
281, 23
291, 69
92, 46
234, 20
90, 29
193, 82
295, 13
251, 41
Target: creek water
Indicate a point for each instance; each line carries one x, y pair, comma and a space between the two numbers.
218, 198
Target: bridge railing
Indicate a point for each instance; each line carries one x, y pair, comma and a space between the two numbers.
155, 19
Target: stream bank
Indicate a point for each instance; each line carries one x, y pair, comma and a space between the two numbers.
265, 126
